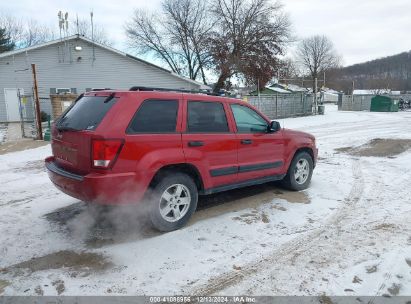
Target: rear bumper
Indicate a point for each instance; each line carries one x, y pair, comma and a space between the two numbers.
105, 189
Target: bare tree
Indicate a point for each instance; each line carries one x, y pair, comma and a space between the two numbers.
25, 33
177, 35
248, 36
13, 27
317, 54
35, 33
188, 25
82, 27
288, 70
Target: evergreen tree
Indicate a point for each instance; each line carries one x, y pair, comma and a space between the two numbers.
5, 41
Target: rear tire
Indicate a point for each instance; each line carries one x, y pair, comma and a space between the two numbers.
299, 173
173, 201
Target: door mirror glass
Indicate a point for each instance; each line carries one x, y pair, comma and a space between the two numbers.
274, 126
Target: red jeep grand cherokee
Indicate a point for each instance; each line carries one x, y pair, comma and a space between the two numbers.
111, 147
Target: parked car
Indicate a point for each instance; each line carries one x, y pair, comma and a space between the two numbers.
166, 148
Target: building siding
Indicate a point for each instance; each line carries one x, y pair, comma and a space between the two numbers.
77, 69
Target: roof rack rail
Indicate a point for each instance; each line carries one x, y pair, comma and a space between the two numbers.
100, 89
138, 88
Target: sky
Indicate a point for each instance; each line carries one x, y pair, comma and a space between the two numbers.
361, 30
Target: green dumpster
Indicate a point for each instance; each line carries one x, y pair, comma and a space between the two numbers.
321, 109
383, 104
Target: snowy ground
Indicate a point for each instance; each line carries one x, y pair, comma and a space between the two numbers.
348, 234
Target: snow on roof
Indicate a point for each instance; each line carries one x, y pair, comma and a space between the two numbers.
294, 88
371, 92
278, 90
330, 91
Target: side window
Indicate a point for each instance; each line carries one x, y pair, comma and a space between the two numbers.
206, 117
155, 116
247, 120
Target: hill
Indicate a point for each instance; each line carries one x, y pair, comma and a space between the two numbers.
392, 72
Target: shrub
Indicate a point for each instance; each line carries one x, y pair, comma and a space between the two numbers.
44, 116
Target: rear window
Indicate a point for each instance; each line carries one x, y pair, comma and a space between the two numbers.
87, 113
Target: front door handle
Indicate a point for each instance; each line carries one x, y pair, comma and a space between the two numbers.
195, 143
246, 141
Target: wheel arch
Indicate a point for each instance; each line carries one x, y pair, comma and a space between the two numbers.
303, 149
186, 168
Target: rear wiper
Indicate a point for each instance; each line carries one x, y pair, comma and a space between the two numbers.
110, 97
62, 129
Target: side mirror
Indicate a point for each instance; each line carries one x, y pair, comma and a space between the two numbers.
274, 126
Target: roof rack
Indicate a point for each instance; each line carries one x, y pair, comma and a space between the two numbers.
137, 88
99, 89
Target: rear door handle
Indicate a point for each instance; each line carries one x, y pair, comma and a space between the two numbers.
195, 143
246, 141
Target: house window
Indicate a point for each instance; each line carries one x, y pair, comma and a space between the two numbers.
63, 90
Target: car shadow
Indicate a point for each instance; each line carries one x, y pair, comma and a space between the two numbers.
98, 226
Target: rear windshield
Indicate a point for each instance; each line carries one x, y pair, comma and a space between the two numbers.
87, 113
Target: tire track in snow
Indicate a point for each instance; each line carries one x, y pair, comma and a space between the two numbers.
290, 249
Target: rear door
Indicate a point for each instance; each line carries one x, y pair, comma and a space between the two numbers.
153, 137
209, 142
260, 154
71, 140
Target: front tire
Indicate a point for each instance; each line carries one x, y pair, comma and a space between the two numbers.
299, 173
173, 201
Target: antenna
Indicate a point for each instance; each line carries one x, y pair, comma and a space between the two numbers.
66, 23
63, 26
92, 25
78, 30
92, 34
63, 23
60, 22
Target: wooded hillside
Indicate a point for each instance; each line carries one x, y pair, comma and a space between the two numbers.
393, 72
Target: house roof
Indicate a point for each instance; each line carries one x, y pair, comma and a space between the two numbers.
74, 37
270, 90
329, 91
371, 92
289, 88
278, 89
294, 88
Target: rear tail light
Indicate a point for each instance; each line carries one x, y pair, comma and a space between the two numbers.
105, 152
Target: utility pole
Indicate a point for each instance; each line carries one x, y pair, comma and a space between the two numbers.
37, 103
352, 94
315, 94
92, 34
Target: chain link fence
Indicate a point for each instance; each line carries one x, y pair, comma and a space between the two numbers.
283, 105
27, 116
